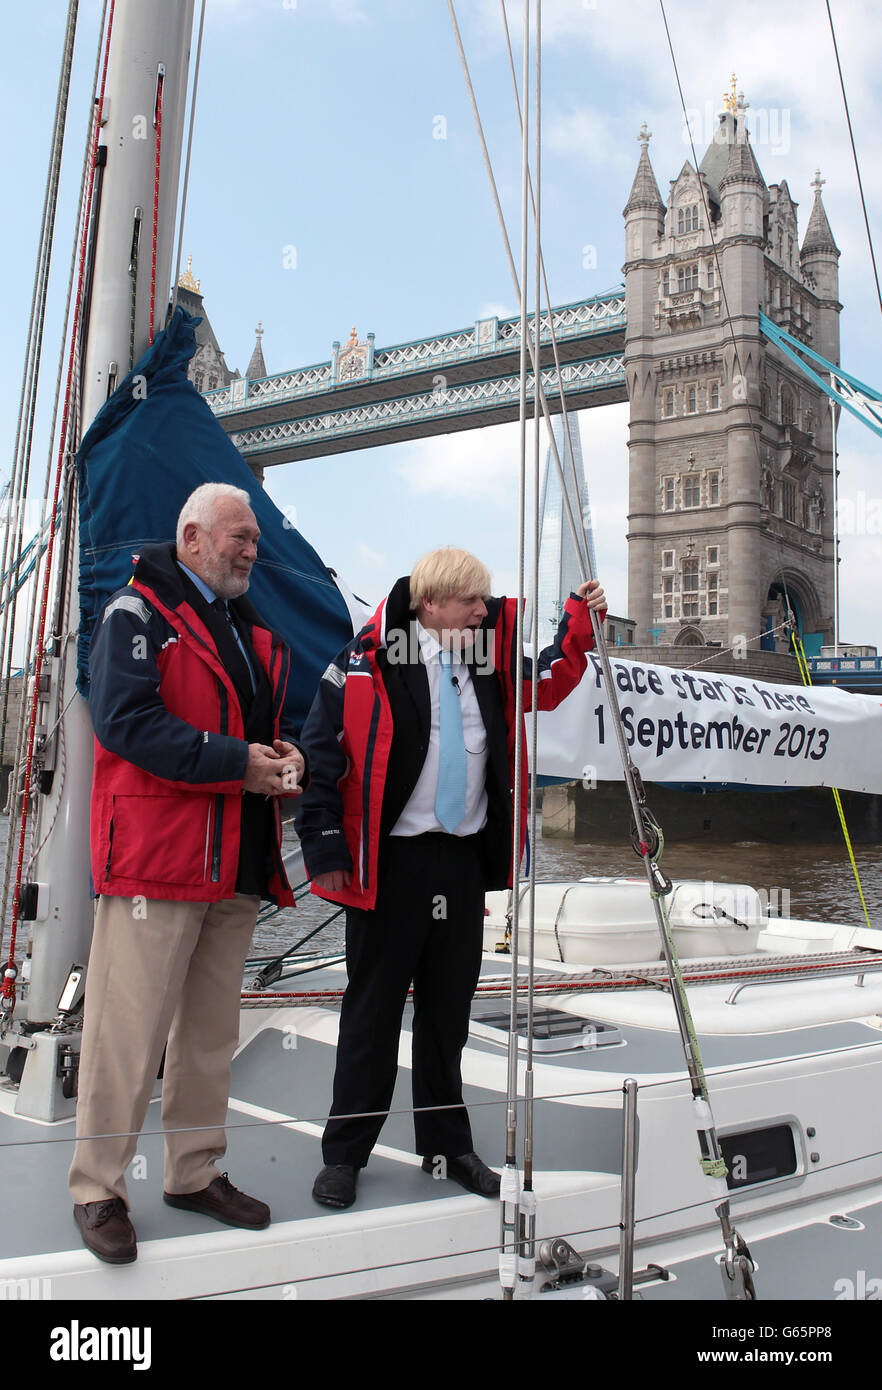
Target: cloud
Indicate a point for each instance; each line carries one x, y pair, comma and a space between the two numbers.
372, 559
480, 469
586, 134
475, 465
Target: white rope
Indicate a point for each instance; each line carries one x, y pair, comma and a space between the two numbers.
33, 357
581, 541
578, 542
187, 165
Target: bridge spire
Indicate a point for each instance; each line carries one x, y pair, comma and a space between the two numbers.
644, 190
818, 236
257, 367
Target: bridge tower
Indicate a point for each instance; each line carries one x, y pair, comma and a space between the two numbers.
731, 458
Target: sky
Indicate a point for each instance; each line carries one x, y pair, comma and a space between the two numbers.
318, 126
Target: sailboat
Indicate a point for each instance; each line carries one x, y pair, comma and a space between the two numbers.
623, 1203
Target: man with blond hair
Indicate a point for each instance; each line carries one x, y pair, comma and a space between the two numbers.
407, 821
187, 685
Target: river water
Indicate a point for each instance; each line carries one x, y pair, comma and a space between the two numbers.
818, 879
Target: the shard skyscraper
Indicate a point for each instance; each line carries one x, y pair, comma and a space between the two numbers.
559, 571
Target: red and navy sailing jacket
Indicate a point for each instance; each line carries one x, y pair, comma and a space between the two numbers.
170, 753
355, 771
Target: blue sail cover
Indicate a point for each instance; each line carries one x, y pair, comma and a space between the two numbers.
149, 446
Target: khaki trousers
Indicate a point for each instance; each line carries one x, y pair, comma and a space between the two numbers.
172, 976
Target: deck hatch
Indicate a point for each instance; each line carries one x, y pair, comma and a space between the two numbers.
553, 1029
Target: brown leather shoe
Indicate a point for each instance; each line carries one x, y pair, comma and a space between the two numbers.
225, 1203
107, 1230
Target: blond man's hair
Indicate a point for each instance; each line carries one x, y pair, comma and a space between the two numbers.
444, 573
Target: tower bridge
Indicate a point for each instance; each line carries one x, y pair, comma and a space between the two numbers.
731, 448
366, 396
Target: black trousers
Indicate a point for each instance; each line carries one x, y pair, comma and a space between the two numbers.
427, 928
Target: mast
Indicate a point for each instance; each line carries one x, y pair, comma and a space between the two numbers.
147, 73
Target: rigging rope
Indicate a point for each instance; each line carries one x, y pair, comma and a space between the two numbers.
527, 1232
27, 665
157, 121
857, 167
31, 371
578, 541
578, 531
791, 621
510, 1178
807, 680
647, 840
186, 184
754, 432
8, 993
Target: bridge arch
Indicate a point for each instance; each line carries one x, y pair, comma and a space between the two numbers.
805, 605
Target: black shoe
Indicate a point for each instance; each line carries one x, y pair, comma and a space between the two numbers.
107, 1230
469, 1171
335, 1185
225, 1203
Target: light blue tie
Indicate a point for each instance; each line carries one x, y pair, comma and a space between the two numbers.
450, 799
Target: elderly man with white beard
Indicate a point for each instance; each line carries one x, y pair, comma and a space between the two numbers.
187, 688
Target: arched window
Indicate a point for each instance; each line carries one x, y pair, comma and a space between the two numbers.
715, 395
788, 406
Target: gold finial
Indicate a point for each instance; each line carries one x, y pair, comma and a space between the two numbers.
353, 339
730, 99
187, 281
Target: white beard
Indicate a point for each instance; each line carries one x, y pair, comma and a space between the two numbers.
220, 577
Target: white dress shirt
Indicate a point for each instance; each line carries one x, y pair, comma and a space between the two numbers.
418, 816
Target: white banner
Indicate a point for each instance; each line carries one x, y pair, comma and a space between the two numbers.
689, 726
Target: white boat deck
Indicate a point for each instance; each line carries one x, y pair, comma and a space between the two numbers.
812, 1063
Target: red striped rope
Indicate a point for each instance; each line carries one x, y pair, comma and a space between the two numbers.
158, 122
8, 987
